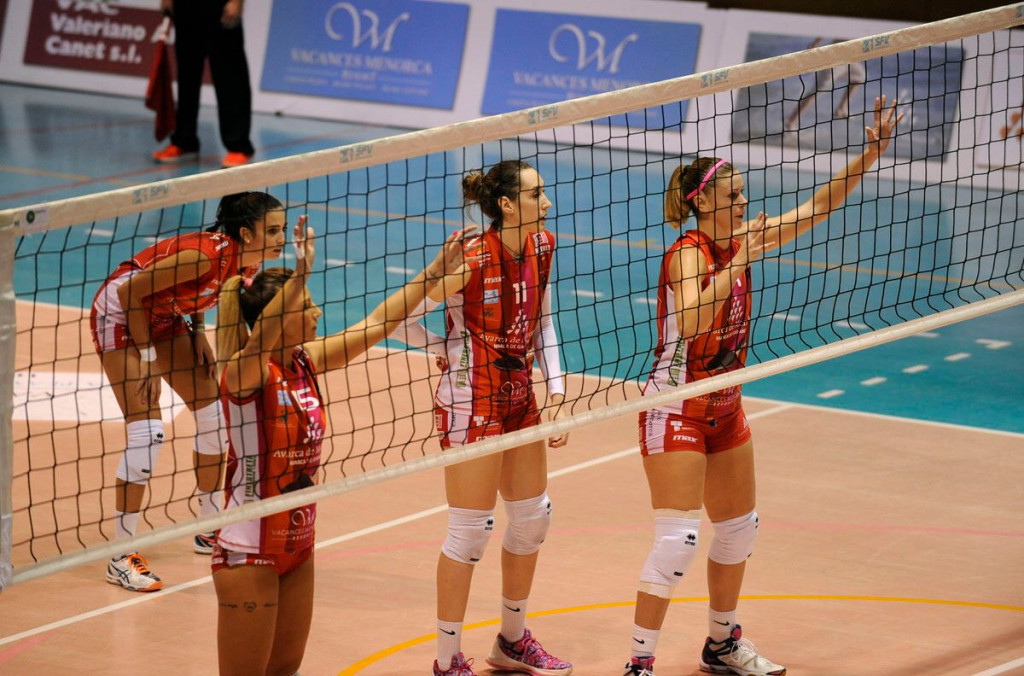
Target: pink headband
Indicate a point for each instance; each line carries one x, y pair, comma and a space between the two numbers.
707, 177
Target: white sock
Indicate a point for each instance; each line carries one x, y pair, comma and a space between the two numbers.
513, 619
449, 640
644, 641
208, 503
125, 524
720, 624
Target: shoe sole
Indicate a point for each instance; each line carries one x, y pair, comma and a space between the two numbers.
116, 579
177, 160
711, 669
506, 664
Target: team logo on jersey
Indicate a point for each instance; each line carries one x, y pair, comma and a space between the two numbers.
492, 296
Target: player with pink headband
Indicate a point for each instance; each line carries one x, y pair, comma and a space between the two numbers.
698, 452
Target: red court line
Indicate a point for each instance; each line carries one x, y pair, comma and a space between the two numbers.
11, 653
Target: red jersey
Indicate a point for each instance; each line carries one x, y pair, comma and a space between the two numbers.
191, 295
274, 439
491, 325
722, 348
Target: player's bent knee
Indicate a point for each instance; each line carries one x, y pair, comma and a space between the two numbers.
469, 531
211, 430
734, 539
675, 546
528, 523
145, 437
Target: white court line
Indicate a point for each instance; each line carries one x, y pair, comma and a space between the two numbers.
877, 380
587, 294
927, 334
338, 262
993, 344
395, 270
957, 356
828, 394
99, 232
647, 301
1002, 668
916, 369
154, 596
852, 325
786, 316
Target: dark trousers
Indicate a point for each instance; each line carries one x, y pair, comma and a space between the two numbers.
198, 35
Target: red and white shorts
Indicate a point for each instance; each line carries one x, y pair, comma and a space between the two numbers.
459, 429
283, 563
108, 321
665, 432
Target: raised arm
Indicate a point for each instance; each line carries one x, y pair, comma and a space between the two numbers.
246, 370
790, 225
337, 350
696, 306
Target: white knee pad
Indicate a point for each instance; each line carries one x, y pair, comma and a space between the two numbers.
211, 430
139, 458
675, 546
469, 531
734, 539
528, 523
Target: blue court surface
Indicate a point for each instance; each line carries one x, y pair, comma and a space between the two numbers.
894, 252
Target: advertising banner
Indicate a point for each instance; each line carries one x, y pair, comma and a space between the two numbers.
828, 110
405, 52
101, 37
999, 133
540, 58
3, 15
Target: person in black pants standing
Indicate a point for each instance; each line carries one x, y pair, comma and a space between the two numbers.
210, 29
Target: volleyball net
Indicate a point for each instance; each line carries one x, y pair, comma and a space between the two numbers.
933, 235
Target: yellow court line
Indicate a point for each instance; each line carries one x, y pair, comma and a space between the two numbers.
43, 172
387, 652
60, 174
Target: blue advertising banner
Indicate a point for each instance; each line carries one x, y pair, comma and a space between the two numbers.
539, 58
407, 52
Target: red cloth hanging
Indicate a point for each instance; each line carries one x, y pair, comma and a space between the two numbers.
159, 93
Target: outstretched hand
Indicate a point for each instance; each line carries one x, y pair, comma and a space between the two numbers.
879, 136
302, 243
751, 241
457, 253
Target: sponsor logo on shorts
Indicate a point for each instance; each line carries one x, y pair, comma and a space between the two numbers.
251, 476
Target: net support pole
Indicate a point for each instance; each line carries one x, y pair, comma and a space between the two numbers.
8, 335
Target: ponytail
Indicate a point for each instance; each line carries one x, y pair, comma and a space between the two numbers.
232, 333
241, 302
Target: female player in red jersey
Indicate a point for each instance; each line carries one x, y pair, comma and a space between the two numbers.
499, 319
699, 452
140, 332
263, 568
